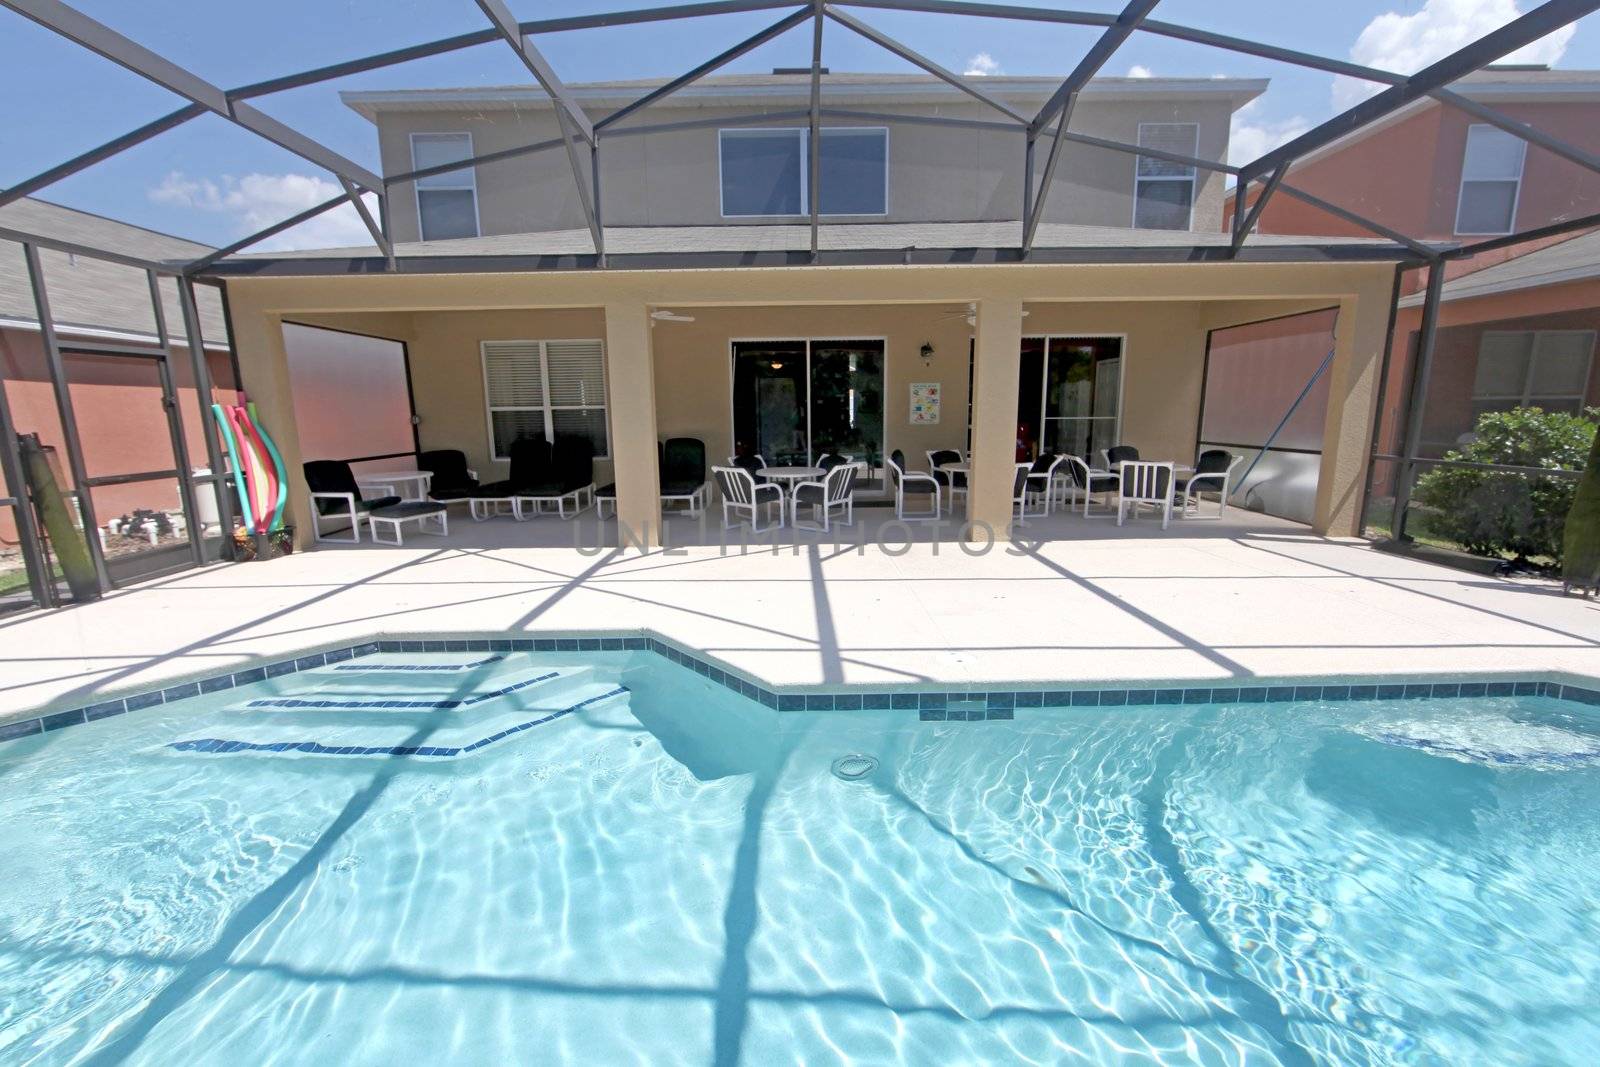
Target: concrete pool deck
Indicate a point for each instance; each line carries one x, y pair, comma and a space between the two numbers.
1088, 604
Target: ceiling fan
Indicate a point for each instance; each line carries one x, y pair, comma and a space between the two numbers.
663, 315
969, 312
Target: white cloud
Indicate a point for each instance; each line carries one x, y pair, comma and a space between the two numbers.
255, 201
1407, 43
1140, 71
981, 66
1251, 135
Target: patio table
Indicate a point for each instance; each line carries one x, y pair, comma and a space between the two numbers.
791, 475
397, 483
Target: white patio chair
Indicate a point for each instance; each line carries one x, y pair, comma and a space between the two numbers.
915, 482
1143, 483
1074, 479
741, 494
837, 490
1213, 472
1021, 492
952, 482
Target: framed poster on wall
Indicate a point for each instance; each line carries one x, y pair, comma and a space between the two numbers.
924, 403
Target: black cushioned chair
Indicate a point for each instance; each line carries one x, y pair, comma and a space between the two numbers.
1121, 454
452, 478
530, 465
335, 495
683, 473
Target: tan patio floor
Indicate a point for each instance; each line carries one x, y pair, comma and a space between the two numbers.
1088, 603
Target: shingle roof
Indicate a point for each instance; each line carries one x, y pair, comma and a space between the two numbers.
1570, 261
91, 294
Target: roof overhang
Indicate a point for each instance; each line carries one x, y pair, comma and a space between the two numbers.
794, 91
290, 266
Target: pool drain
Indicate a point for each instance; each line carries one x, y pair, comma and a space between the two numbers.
854, 767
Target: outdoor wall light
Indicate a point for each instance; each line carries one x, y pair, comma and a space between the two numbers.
927, 352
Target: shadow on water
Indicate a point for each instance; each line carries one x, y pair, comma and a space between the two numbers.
1407, 792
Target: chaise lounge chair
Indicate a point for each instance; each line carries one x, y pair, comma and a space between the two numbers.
335, 495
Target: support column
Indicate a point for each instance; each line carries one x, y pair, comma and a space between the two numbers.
631, 393
264, 374
997, 360
1352, 405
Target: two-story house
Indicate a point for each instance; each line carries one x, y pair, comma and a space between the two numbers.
1517, 325
740, 154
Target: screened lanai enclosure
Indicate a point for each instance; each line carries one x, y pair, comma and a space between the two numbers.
794, 229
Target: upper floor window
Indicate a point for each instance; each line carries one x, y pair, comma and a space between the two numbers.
768, 172
1491, 177
1546, 369
447, 204
545, 389
1163, 191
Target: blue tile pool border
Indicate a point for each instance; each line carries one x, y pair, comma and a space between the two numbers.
947, 704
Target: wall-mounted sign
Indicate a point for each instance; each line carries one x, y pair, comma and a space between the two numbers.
924, 403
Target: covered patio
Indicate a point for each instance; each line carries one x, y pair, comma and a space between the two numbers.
673, 341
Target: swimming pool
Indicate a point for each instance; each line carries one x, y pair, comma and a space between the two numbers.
611, 858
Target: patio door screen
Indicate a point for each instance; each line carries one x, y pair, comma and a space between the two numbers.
1255, 376
1069, 395
795, 400
352, 397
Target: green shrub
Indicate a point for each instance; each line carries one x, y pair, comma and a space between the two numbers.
1496, 513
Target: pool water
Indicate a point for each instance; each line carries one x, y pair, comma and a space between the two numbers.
670, 873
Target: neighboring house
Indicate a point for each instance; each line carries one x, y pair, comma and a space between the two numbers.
1518, 333
111, 355
886, 169
1517, 325
1481, 181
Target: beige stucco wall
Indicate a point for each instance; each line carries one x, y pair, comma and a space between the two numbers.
935, 173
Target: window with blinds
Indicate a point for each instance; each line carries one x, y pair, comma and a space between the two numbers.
545, 389
1163, 190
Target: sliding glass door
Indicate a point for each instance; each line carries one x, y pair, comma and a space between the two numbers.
1069, 396
797, 400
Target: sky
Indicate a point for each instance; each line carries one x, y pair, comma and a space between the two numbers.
213, 182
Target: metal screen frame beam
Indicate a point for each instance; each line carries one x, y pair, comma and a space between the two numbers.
1244, 222
816, 123
29, 186
1422, 250
1064, 100
1548, 17
183, 469
69, 419
917, 59
1421, 373
722, 59
101, 39
194, 337
72, 248
33, 558
543, 73
261, 235
379, 238
1244, 46
569, 115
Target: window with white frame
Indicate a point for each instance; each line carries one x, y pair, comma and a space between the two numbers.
1546, 369
1491, 177
767, 172
545, 389
447, 204
1163, 191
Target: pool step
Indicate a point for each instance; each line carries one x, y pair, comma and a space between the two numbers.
324, 727
311, 697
